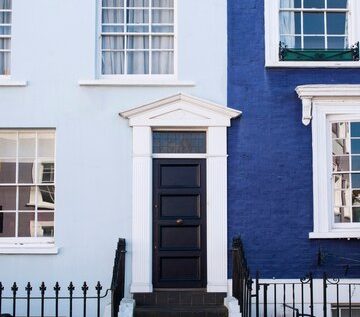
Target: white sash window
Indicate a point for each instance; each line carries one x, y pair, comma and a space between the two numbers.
5, 36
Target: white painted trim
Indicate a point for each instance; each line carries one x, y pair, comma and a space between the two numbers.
198, 104
272, 38
29, 249
193, 113
151, 82
12, 83
322, 104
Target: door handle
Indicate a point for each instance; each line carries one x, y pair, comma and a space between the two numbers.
179, 222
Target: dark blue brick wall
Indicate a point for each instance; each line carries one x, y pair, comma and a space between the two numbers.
270, 162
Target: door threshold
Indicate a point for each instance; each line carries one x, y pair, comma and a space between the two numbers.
180, 289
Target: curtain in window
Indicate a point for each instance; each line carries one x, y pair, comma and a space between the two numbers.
287, 23
5, 32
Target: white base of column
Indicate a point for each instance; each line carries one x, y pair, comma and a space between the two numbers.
217, 288
127, 307
141, 288
233, 307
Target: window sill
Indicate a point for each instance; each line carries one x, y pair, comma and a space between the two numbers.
140, 83
13, 83
284, 64
343, 234
28, 249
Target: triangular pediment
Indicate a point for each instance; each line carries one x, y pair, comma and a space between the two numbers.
180, 110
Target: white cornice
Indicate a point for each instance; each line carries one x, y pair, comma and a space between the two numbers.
220, 109
309, 93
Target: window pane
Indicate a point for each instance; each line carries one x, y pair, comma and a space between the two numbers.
113, 63
342, 198
7, 171
113, 28
290, 23
314, 4
163, 16
341, 164
338, 42
313, 23
27, 198
291, 41
112, 3
137, 16
5, 30
26, 171
290, 3
137, 28
355, 146
46, 144
337, 4
26, 226
314, 42
112, 16
164, 3
162, 29
113, 42
355, 129
162, 42
5, 4
355, 161
163, 63
27, 144
342, 214
138, 62
137, 3
356, 197
8, 144
336, 23
45, 224
356, 214
341, 181
340, 130
340, 147
4, 44
7, 197
46, 199
138, 42
46, 172
5, 17
7, 224
355, 179
179, 142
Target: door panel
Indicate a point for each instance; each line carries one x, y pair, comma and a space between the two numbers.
179, 219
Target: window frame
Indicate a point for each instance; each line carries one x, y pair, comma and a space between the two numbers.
272, 38
46, 244
133, 78
10, 37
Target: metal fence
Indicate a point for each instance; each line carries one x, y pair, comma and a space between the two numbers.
320, 297
48, 301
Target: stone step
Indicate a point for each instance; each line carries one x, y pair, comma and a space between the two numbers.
179, 298
178, 311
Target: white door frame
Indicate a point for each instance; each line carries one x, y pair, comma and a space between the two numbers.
177, 112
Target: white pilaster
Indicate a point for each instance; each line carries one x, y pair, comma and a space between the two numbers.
142, 211
217, 210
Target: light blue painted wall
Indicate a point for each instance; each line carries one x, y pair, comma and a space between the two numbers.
53, 47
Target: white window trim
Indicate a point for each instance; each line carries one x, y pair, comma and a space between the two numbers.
192, 113
321, 104
272, 38
32, 245
132, 80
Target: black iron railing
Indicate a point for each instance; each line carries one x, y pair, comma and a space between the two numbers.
308, 297
118, 280
72, 301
